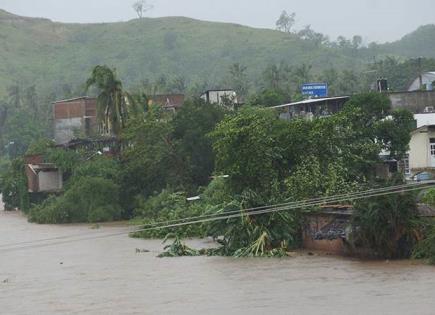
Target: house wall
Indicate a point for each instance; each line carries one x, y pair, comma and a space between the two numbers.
215, 97
415, 101
32, 179
50, 181
64, 129
74, 116
316, 223
419, 153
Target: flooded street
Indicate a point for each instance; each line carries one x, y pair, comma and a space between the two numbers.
107, 276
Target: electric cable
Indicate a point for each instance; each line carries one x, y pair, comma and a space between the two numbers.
307, 203
223, 217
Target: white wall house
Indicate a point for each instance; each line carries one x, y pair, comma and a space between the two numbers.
422, 149
44, 177
427, 81
220, 97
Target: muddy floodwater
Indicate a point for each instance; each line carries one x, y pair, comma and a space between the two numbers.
108, 276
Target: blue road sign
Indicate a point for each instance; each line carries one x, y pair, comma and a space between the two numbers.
315, 89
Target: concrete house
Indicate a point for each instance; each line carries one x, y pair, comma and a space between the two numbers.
170, 102
417, 102
42, 177
424, 82
422, 149
220, 97
74, 118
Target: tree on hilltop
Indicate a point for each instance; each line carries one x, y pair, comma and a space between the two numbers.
286, 22
141, 7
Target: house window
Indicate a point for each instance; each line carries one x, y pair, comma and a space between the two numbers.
432, 146
406, 168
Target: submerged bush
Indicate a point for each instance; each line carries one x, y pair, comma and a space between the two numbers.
425, 249
168, 207
87, 200
386, 225
177, 248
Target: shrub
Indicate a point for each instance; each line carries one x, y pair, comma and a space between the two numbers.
429, 197
425, 249
87, 200
168, 207
385, 225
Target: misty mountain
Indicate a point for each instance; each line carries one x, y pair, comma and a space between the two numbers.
52, 55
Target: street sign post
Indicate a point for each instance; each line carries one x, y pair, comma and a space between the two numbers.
315, 89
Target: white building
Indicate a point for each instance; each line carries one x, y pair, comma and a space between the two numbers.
427, 80
422, 149
220, 97
422, 145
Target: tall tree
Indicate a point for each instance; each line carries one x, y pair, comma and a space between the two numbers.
111, 100
142, 7
15, 97
286, 22
3, 117
239, 79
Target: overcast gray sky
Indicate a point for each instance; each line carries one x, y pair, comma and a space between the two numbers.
375, 20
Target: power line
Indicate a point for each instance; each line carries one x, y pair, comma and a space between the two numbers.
247, 211
225, 216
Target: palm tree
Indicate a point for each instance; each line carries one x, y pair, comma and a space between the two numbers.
111, 101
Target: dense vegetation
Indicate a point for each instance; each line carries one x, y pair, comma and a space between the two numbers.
233, 160
167, 158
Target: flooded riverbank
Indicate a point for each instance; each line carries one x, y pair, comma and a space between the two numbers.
107, 276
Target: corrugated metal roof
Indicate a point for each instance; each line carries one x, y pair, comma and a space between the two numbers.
74, 99
426, 119
312, 101
427, 77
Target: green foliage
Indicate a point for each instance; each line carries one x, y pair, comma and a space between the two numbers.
13, 186
429, 197
169, 151
171, 45
425, 248
89, 199
66, 160
311, 179
177, 248
365, 130
111, 100
386, 225
150, 163
191, 125
102, 167
254, 235
246, 148
217, 192
269, 98
164, 207
40, 146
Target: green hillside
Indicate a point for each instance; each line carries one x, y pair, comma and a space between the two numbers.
421, 42
52, 55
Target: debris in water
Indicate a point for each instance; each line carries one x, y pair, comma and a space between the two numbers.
138, 250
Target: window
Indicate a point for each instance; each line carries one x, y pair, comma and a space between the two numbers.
432, 146
406, 168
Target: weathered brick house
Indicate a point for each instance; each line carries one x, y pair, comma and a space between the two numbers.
171, 102
74, 118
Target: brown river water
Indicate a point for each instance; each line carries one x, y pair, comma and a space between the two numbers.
107, 276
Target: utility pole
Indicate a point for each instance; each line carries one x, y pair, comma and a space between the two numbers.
420, 76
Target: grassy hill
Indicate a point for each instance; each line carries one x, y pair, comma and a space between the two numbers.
420, 43
50, 55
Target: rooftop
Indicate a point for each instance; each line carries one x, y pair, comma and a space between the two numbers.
74, 99
313, 101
